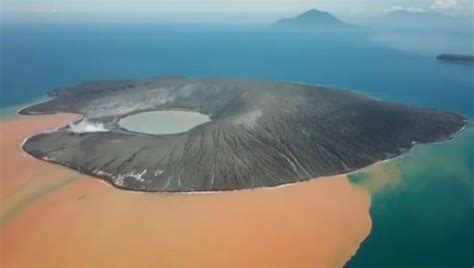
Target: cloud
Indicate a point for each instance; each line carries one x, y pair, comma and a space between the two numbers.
453, 5
86, 126
401, 8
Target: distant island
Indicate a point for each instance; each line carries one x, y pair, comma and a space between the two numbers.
459, 58
312, 19
182, 135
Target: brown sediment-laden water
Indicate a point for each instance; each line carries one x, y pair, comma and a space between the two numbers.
53, 216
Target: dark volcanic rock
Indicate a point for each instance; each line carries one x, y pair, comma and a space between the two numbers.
456, 58
261, 134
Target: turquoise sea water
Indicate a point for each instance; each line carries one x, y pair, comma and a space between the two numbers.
423, 214
39, 57
423, 217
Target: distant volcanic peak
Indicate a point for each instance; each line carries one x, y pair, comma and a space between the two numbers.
317, 14
260, 134
312, 18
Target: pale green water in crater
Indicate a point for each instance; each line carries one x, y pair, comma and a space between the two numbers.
163, 122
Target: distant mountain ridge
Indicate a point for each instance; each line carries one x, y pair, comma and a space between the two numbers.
313, 18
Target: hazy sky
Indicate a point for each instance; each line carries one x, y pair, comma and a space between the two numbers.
338, 7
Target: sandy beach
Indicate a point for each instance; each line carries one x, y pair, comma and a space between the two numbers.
55, 217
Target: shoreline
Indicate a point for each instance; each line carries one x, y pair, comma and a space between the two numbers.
40, 100
106, 179
107, 182
10, 111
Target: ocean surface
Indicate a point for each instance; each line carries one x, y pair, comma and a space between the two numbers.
422, 216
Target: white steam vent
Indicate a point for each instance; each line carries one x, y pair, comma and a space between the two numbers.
85, 126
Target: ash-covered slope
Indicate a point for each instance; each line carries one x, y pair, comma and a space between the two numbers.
260, 134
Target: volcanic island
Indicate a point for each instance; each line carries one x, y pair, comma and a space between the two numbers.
176, 134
